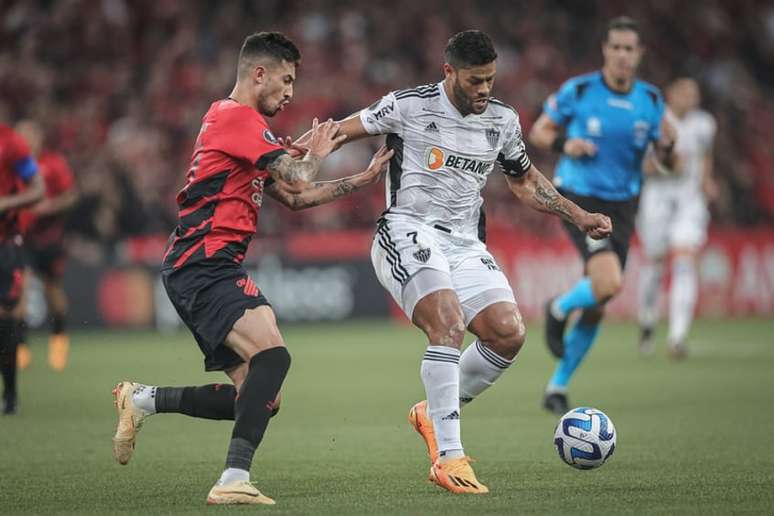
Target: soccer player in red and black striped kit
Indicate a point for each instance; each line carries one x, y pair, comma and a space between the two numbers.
20, 186
43, 226
236, 159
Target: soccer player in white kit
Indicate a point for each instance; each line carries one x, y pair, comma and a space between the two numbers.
429, 250
673, 217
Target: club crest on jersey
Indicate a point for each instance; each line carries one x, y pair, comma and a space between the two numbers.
269, 137
422, 255
492, 136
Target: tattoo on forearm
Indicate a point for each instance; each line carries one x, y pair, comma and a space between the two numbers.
320, 193
292, 170
550, 200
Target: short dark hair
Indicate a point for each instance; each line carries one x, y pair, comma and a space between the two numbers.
469, 48
623, 23
269, 44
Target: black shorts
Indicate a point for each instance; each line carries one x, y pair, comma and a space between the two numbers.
622, 214
47, 260
210, 297
11, 274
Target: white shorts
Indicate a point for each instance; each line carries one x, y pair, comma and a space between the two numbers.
670, 218
403, 247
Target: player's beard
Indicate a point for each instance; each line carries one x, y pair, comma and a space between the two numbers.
465, 101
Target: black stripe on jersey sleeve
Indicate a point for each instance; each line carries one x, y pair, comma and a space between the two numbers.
206, 188
419, 96
267, 158
421, 90
515, 167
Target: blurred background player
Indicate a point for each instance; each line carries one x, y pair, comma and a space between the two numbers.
673, 217
602, 123
20, 186
429, 251
43, 226
236, 157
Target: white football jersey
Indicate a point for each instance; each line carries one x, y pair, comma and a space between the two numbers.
695, 137
442, 159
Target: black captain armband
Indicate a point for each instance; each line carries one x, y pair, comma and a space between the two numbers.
515, 167
558, 144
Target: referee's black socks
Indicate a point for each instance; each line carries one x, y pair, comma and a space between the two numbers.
255, 404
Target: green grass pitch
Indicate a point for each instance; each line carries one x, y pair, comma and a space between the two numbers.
693, 437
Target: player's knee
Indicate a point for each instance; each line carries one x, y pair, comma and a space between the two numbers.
450, 333
446, 331
442, 322
607, 287
508, 335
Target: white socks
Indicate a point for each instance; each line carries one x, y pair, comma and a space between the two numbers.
650, 286
144, 397
440, 373
480, 367
233, 475
682, 298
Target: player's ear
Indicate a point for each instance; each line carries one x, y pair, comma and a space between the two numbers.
448, 70
259, 74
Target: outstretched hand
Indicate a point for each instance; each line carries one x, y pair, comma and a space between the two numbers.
376, 168
324, 138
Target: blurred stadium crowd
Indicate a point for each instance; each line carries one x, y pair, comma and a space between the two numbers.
120, 87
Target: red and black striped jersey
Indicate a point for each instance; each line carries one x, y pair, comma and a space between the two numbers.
219, 205
16, 168
58, 179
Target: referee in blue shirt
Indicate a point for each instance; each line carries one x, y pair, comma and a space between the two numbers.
602, 124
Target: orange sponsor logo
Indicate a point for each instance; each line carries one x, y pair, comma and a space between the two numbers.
435, 158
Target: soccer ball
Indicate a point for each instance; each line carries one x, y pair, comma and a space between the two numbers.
585, 438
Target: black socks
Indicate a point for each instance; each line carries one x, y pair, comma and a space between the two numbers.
255, 404
214, 401
8, 343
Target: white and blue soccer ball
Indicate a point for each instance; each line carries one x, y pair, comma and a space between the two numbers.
585, 438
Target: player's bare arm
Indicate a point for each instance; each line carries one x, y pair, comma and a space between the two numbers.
322, 140
548, 135
59, 204
31, 194
324, 192
537, 192
709, 184
351, 128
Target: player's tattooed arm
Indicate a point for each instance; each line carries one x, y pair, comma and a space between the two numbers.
289, 170
322, 192
298, 172
534, 189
